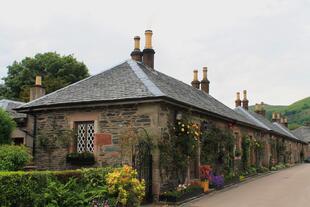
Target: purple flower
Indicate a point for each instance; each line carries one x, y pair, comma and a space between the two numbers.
217, 181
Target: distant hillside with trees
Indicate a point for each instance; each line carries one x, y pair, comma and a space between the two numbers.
298, 113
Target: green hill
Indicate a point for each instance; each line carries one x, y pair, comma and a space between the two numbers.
298, 113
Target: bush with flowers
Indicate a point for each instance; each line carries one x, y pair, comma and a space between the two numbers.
205, 172
187, 134
124, 185
181, 193
177, 148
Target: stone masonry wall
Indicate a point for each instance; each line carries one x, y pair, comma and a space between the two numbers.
108, 120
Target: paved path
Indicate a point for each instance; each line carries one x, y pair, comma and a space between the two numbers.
287, 188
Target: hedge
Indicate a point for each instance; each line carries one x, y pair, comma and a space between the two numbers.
13, 157
53, 188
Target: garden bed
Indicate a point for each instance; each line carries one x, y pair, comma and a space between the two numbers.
178, 197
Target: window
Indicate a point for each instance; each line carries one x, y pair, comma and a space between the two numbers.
85, 136
18, 141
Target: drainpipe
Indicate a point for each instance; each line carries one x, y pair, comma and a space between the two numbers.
34, 134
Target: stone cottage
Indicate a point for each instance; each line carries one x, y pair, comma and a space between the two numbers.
134, 94
20, 134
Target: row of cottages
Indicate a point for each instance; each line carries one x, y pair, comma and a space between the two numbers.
20, 135
101, 109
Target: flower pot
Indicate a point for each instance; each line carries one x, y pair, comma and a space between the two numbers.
205, 186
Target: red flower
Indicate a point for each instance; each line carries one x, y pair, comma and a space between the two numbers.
205, 172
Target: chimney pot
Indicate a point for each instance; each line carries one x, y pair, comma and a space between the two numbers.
238, 100
136, 54
204, 73
205, 83
137, 42
195, 82
38, 80
245, 102
148, 39
148, 52
274, 116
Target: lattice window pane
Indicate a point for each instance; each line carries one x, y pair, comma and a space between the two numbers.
90, 137
81, 132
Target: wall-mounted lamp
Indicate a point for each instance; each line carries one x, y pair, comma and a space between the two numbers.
178, 116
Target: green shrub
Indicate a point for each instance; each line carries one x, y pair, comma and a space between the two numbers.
22, 188
7, 125
85, 158
262, 169
55, 188
13, 158
252, 170
280, 166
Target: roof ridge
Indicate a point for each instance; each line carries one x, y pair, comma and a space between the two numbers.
253, 118
61, 89
144, 78
287, 131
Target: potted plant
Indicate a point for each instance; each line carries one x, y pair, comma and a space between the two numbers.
205, 173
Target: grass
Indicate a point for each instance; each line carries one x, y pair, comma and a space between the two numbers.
298, 113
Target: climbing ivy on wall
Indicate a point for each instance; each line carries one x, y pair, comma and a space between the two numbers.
246, 148
177, 147
259, 147
217, 148
280, 146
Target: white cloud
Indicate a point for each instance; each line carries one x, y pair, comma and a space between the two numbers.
262, 46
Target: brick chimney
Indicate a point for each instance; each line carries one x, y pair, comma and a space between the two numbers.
245, 101
148, 52
37, 90
260, 109
136, 54
205, 83
278, 117
195, 83
274, 116
238, 100
285, 122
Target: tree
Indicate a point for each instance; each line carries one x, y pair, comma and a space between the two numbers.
7, 125
57, 72
4, 92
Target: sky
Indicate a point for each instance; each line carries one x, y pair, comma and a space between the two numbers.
261, 46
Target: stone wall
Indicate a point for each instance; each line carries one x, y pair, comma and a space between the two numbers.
113, 121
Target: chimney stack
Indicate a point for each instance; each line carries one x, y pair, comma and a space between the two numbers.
238, 100
136, 54
285, 122
260, 109
205, 83
245, 101
148, 52
195, 82
37, 90
274, 116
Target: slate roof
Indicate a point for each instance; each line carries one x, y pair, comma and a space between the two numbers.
286, 131
261, 121
9, 105
134, 80
303, 132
